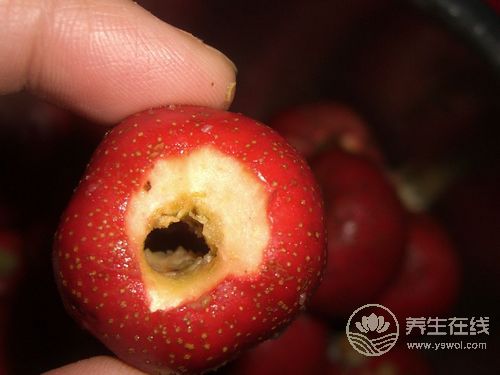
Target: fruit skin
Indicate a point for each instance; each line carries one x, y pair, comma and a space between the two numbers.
366, 227
299, 350
313, 127
98, 272
428, 282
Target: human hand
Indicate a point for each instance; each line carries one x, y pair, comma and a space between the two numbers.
107, 59
101, 365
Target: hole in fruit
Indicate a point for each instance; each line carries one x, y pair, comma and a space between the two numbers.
178, 249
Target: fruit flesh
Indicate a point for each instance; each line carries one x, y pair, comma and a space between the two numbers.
216, 191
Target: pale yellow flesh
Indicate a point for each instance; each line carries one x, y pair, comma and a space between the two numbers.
217, 191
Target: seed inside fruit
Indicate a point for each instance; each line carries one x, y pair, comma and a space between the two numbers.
180, 248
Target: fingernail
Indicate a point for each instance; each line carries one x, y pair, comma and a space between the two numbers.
230, 90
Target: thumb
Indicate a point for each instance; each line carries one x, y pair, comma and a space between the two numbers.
96, 365
107, 59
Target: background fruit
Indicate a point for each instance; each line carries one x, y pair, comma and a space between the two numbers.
428, 282
312, 128
300, 350
366, 227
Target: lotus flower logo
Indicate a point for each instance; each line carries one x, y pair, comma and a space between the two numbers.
373, 333
373, 323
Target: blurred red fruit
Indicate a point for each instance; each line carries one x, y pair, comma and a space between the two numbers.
427, 284
314, 127
366, 227
299, 350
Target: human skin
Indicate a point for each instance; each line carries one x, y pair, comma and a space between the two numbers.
107, 59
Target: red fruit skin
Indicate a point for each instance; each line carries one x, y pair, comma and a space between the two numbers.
11, 259
313, 127
366, 227
98, 272
299, 350
428, 282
